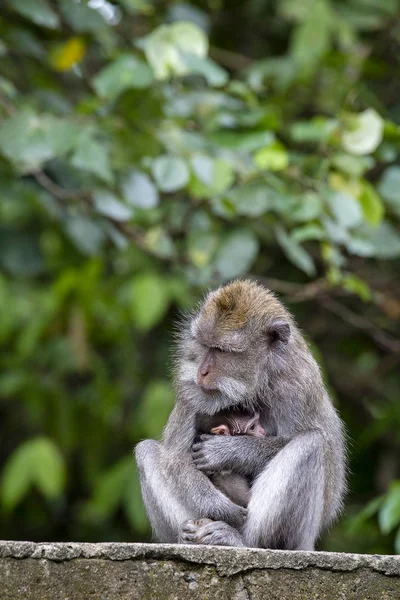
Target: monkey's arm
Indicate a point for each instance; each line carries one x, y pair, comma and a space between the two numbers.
191, 487
245, 454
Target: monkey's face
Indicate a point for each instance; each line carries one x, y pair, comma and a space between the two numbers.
216, 376
225, 351
219, 374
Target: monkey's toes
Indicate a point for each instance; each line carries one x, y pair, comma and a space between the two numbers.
190, 530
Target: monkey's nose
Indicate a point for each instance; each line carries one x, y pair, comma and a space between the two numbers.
204, 370
204, 379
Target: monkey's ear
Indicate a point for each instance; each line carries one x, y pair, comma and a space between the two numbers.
279, 333
220, 430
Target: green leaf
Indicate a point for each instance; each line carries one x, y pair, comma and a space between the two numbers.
386, 241
294, 252
92, 156
345, 209
252, 199
355, 285
110, 488
17, 476
29, 140
108, 205
86, 234
236, 253
213, 176
124, 73
50, 471
149, 300
38, 11
36, 462
164, 46
170, 172
364, 132
155, 407
352, 165
215, 75
389, 188
6, 86
203, 167
389, 514
311, 40
318, 129
357, 523
159, 242
371, 204
139, 191
273, 157
308, 207
20, 253
242, 142
280, 72
381, 242
223, 207
81, 16
201, 247
311, 231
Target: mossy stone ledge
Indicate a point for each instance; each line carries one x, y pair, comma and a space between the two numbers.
113, 571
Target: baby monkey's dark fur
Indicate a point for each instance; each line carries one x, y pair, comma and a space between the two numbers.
243, 351
233, 485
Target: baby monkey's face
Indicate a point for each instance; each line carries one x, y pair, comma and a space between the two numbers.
240, 425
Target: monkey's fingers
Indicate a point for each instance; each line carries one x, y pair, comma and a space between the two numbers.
198, 456
197, 446
243, 512
201, 464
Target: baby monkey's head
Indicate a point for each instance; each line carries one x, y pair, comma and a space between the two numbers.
239, 424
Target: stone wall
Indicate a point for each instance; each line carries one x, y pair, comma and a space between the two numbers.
73, 571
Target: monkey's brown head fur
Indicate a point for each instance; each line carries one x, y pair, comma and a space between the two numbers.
238, 304
225, 350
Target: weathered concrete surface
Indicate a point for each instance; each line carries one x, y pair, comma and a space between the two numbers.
72, 571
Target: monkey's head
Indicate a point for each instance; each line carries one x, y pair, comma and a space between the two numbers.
227, 348
239, 424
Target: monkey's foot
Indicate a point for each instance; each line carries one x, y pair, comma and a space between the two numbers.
211, 533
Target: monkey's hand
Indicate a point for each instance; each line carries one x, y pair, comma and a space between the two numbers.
243, 454
212, 452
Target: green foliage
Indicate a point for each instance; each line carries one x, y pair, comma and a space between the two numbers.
36, 462
147, 155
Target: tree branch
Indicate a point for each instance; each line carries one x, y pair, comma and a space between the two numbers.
318, 290
231, 60
133, 233
383, 339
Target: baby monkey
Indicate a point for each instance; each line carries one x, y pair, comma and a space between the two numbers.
233, 485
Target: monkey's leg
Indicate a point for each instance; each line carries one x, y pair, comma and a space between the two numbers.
174, 491
165, 511
235, 486
287, 498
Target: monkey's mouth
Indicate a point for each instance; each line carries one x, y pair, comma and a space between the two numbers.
209, 391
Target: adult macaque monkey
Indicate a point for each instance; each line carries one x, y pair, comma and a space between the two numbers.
233, 485
242, 350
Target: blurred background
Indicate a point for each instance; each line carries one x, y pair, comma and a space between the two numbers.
150, 150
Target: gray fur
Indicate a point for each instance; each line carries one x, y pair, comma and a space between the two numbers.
299, 468
234, 485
